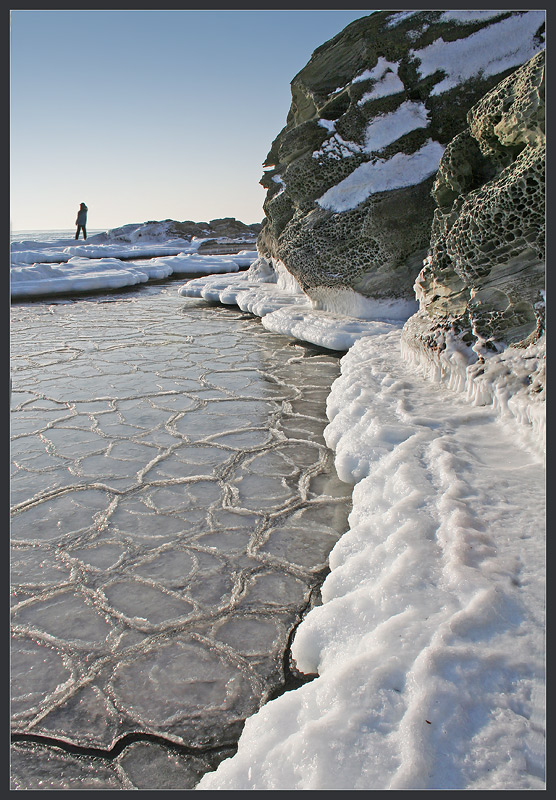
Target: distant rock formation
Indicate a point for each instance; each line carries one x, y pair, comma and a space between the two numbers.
349, 178
484, 278
225, 228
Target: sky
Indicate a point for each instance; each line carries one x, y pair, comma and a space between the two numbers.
151, 115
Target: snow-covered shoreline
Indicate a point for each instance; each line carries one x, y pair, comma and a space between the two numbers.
271, 293
429, 643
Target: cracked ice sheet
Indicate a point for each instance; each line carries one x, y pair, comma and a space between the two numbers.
33, 767
429, 644
153, 589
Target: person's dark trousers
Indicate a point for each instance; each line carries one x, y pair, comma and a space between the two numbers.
81, 228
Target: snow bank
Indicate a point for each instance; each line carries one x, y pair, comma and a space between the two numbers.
260, 291
50, 253
429, 643
323, 329
191, 264
78, 275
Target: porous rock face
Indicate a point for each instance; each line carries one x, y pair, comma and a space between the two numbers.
484, 278
349, 178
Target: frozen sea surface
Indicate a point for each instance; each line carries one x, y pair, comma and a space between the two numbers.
429, 642
174, 504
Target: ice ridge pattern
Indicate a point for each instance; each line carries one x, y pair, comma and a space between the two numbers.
174, 504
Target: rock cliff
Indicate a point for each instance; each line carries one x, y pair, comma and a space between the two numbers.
484, 278
349, 178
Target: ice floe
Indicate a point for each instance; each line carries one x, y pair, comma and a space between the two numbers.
53, 266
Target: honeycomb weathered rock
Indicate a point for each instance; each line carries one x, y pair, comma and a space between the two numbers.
486, 269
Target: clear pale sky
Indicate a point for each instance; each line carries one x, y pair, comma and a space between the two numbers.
150, 115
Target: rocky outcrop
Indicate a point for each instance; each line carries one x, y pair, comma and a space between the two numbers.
483, 281
349, 178
225, 228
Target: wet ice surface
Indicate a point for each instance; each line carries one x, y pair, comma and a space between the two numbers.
174, 505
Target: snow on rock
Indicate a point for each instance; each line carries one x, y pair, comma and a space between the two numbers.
396, 19
485, 52
387, 81
387, 128
136, 232
380, 175
466, 17
481, 290
169, 229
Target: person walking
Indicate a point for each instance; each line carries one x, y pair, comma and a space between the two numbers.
81, 221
